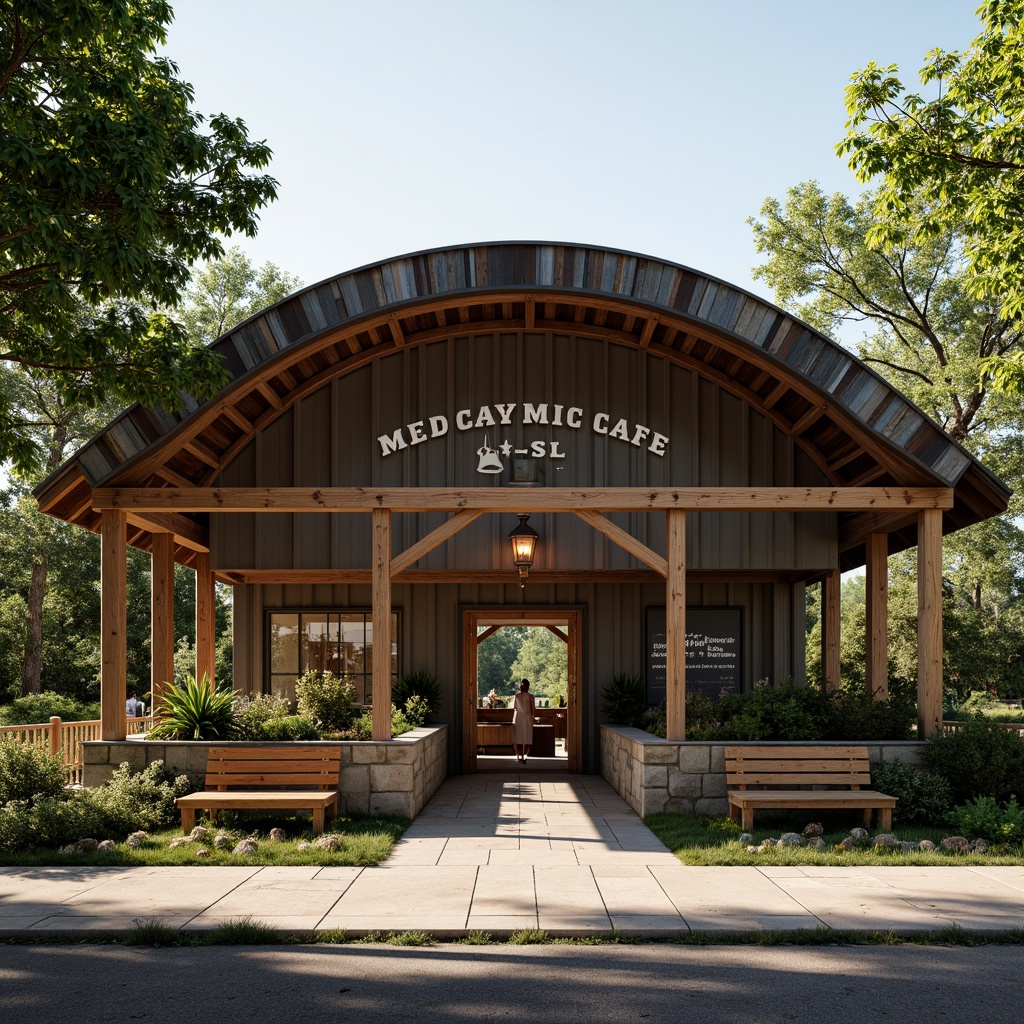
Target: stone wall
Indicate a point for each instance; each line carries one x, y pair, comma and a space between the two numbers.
394, 777
652, 774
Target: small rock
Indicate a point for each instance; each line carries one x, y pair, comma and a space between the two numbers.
202, 852
979, 846
277, 835
753, 849
246, 848
136, 839
956, 843
746, 838
303, 846
222, 841
107, 846
199, 834
769, 842
906, 847
87, 845
859, 833
813, 829
792, 839
180, 841
926, 846
69, 849
816, 843
885, 839
847, 844
329, 841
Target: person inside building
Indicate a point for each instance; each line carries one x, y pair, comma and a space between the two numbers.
523, 709
131, 705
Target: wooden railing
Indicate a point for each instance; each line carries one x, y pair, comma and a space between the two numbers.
1017, 727
65, 739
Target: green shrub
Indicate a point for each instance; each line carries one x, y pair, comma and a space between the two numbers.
139, 800
415, 710
28, 772
252, 712
49, 822
786, 712
292, 727
326, 700
38, 708
195, 711
624, 700
856, 715
985, 818
362, 727
924, 796
977, 760
418, 684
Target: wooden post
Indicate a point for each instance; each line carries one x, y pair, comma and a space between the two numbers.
381, 664
206, 621
830, 590
929, 623
54, 736
113, 624
675, 626
161, 616
877, 611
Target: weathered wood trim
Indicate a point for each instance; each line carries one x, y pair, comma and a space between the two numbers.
831, 588
187, 533
625, 541
501, 499
113, 624
381, 661
929, 623
435, 538
877, 616
206, 621
675, 623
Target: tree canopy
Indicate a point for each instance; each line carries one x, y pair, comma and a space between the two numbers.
112, 187
951, 157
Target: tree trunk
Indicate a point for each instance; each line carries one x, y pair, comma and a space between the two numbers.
33, 662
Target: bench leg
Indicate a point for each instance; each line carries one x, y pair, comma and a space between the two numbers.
188, 819
318, 820
734, 812
866, 818
885, 819
748, 819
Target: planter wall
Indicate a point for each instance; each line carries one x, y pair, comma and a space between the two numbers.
652, 774
394, 777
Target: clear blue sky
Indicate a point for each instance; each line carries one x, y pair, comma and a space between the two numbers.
650, 125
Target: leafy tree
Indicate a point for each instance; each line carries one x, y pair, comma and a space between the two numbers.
951, 160
112, 187
227, 291
495, 657
544, 660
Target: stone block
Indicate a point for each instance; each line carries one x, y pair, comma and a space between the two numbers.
346, 753
682, 784
678, 805
95, 753
659, 753
653, 803
355, 778
368, 753
132, 753
96, 774
196, 755
695, 758
655, 776
391, 778
713, 806
355, 803
175, 759
392, 803
714, 785
717, 759
400, 753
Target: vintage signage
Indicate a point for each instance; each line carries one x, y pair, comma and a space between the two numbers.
491, 418
713, 648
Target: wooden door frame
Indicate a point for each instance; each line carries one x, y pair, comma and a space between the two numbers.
551, 615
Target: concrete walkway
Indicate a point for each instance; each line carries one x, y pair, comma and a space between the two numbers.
503, 852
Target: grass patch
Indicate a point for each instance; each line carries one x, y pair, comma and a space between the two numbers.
154, 932
705, 841
413, 938
475, 938
364, 841
242, 932
529, 937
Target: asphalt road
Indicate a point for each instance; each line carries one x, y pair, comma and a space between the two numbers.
379, 985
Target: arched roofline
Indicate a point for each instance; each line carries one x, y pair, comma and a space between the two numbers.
856, 426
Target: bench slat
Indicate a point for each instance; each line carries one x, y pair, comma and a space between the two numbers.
256, 778
811, 765
300, 752
798, 779
795, 753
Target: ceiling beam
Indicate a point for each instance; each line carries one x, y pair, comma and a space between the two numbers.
626, 541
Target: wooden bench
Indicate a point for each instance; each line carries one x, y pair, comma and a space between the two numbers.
259, 768
780, 766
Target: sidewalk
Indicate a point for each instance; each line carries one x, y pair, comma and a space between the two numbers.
503, 852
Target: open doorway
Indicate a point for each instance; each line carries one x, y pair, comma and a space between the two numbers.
501, 647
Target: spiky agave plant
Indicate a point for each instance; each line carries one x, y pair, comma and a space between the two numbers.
194, 711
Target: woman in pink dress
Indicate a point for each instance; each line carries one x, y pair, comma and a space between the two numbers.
523, 710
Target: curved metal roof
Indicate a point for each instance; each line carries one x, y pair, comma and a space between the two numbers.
856, 426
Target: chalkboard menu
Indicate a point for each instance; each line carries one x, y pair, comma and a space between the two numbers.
713, 638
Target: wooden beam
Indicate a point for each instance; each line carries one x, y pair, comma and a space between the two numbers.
488, 632
856, 531
648, 332
161, 616
929, 623
830, 594
877, 616
563, 636
810, 417
187, 533
435, 538
397, 334
381, 661
206, 626
675, 627
626, 541
113, 624
504, 499
530, 315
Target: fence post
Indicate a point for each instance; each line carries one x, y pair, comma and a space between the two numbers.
54, 736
